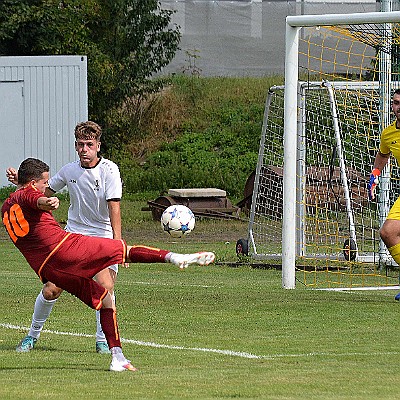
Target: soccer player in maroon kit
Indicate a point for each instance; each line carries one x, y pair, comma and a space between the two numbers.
71, 260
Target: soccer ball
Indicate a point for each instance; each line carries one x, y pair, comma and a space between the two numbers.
177, 220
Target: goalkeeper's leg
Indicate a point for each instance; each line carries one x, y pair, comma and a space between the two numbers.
390, 234
395, 253
390, 230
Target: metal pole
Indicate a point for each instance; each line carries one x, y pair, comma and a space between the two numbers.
385, 83
289, 144
336, 128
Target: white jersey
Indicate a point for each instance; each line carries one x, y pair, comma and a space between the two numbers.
89, 189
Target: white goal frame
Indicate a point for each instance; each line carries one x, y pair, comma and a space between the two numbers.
293, 27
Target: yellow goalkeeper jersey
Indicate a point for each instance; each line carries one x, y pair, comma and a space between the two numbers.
390, 141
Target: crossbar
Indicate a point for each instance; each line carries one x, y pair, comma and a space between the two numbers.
343, 19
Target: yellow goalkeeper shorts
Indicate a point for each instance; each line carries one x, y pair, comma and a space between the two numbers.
394, 212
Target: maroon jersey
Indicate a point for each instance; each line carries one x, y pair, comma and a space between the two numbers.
35, 232
69, 260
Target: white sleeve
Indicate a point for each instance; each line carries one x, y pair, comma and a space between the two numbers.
113, 184
57, 182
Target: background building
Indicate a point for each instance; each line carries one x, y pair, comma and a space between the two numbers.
43, 98
243, 38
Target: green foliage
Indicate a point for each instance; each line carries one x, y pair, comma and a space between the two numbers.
46, 27
6, 191
216, 157
126, 42
216, 143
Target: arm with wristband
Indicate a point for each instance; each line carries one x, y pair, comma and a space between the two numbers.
373, 182
380, 162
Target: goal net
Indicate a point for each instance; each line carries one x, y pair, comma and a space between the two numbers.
310, 210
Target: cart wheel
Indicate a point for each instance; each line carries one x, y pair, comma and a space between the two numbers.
349, 250
242, 247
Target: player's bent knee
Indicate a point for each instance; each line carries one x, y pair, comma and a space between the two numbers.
108, 302
383, 233
51, 291
389, 234
106, 278
385, 236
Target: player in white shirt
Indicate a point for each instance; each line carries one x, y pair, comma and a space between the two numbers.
95, 190
90, 189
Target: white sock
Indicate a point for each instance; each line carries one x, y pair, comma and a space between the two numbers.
41, 312
100, 337
118, 354
174, 258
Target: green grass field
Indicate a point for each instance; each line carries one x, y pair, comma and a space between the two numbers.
209, 332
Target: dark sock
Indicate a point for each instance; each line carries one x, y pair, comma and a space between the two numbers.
146, 254
108, 320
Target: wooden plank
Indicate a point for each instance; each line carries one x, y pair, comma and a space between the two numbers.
197, 192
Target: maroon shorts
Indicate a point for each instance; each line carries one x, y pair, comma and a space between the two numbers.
79, 258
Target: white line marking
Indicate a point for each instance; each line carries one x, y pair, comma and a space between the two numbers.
349, 289
141, 343
217, 351
169, 284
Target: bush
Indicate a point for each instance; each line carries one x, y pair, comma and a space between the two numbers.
214, 144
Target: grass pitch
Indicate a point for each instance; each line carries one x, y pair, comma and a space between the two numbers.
206, 332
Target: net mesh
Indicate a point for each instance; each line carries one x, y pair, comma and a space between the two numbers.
329, 217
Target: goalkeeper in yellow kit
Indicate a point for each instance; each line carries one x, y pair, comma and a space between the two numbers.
389, 145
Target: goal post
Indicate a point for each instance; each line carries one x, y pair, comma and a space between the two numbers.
332, 161
294, 24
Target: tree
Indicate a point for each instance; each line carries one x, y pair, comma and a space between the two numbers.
126, 42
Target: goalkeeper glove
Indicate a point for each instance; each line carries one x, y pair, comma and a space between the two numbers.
373, 181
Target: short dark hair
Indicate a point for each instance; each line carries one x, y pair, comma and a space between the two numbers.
31, 168
397, 91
